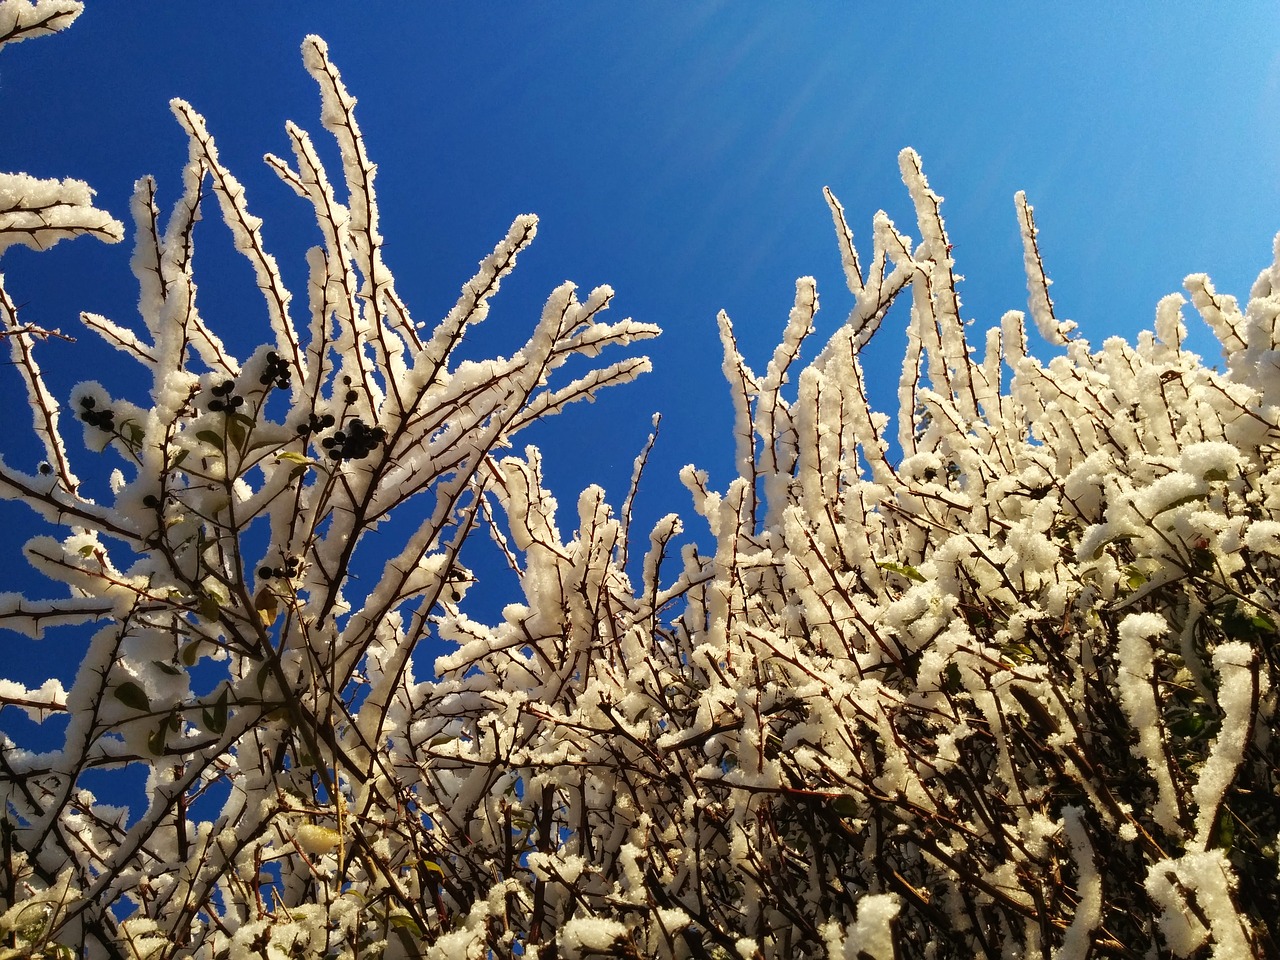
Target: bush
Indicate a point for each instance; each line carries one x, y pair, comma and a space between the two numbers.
1001, 685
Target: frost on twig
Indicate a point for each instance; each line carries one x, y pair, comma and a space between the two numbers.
23, 19
33, 212
38, 213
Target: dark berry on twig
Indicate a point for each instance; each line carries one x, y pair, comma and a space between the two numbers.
356, 442
102, 419
276, 373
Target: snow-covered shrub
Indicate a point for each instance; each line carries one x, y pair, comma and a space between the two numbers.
1011, 695
1004, 686
238, 658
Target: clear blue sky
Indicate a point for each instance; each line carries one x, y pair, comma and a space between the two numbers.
677, 151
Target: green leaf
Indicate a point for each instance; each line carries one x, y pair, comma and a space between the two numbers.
1180, 501
902, 570
168, 668
210, 437
267, 605
191, 653
1187, 726
216, 719
1118, 538
1134, 577
952, 675
294, 457
1225, 833
132, 695
405, 922
845, 806
209, 607
1018, 652
1250, 627
262, 444
236, 434
158, 740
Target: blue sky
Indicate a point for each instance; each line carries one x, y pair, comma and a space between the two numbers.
677, 151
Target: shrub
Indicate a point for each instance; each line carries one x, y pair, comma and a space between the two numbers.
999, 685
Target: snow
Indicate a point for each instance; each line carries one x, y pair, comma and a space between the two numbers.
1077, 940
871, 935
887, 641
38, 703
1205, 879
38, 213
1237, 693
24, 19
1138, 697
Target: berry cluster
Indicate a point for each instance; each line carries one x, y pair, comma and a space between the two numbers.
354, 443
287, 572
224, 399
315, 424
102, 419
277, 372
